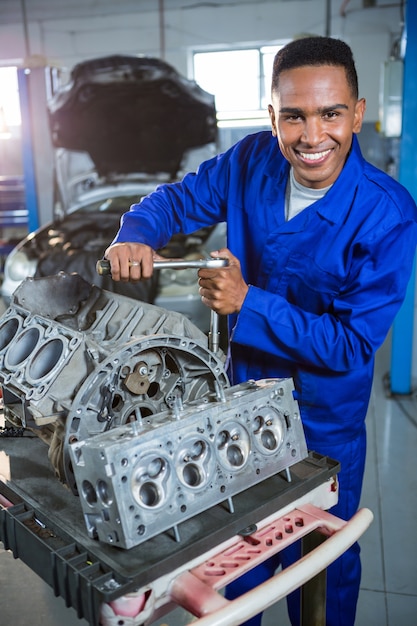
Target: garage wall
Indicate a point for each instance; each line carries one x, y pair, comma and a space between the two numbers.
53, 33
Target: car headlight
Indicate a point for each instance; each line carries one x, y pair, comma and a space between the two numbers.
180, 277
179, 282
18, 266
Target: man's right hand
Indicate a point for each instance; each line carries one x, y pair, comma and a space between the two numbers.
131, 261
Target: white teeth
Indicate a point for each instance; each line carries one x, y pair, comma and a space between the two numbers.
315, 156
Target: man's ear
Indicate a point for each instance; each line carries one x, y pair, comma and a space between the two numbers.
360, 109
272, 118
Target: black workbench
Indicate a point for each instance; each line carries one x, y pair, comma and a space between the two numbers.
45, 527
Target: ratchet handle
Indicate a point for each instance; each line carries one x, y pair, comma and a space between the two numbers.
103, 266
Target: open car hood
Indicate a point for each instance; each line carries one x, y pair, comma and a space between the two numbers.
131, 114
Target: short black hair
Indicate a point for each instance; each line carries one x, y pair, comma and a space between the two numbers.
316, 51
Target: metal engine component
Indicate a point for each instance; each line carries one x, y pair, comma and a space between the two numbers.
76, 361
141, 479
138, 412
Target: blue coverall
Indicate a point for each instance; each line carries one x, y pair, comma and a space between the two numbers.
324, 290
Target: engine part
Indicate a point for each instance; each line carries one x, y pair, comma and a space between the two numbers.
141, 479
103, 268
138, 412
76, 361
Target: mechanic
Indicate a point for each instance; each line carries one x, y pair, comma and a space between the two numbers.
321, 246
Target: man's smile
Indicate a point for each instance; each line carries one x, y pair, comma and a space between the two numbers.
314, 156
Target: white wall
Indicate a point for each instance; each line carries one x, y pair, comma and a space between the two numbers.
66, 41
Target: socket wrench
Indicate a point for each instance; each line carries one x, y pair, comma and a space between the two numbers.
103, 268
103, 265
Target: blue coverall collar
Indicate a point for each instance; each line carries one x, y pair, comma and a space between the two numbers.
342, 188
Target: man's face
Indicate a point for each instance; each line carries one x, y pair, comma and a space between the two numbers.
313, 115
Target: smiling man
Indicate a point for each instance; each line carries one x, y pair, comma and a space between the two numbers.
313, 115
321, 246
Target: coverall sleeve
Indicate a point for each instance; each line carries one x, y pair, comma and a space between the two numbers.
346, 336
198, 200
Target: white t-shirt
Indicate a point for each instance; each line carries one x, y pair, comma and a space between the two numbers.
298, 197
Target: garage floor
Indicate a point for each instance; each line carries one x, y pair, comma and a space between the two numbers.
389, 548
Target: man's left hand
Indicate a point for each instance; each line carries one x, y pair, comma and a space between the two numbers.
223, 289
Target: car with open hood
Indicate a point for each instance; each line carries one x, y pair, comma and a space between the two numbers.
121, 126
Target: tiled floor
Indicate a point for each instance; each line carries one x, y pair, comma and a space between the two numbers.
389, 548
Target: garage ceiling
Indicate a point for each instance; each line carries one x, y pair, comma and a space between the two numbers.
21, 11
13, 11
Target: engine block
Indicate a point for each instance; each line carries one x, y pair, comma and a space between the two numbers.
138, 413
139, 480
76, 360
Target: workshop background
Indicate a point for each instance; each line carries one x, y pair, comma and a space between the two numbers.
49, 37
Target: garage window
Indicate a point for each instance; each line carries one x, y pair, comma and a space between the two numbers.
9, 101
240, 80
